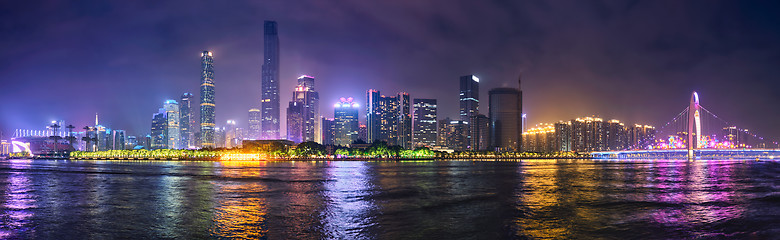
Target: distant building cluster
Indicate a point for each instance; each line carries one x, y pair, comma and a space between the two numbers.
588, 134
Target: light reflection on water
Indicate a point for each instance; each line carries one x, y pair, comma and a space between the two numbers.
389, 200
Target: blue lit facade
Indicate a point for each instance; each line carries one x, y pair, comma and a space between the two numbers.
345, 122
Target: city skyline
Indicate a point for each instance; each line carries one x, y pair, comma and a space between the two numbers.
733, 90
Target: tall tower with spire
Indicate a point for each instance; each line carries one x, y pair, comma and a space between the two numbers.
269, 104
207, 103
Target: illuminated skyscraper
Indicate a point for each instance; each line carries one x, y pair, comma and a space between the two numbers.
373, 115
310, 99
269, 104
328, 131
443, 132
345, 122
424, 123
185, 121
363, 132
388, 118
207, 103
172, 117
303, 113
295, 121
231, 136
159, 131
118, 139
469, 97
254, 123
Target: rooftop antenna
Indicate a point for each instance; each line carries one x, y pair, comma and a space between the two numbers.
96, 119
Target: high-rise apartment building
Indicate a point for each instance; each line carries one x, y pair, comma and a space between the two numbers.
345, 122
207, 103
424, 122
269, 104
587, 134
185, 121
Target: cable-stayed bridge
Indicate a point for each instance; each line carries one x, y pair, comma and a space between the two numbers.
710, 137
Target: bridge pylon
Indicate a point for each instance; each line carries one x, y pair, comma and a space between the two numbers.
694, 120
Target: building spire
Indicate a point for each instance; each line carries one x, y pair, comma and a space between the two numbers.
96, 119
519, 82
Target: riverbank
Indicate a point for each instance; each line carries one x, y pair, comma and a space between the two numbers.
334, 159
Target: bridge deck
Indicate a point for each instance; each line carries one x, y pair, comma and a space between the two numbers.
683, 154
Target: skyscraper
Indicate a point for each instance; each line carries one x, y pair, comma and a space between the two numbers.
172, 117
456, 135
295, 121
328, 131
469, 97
373, 115
254, 123
506, 107
306, 95
424, 122
404, 120
345, 122
479, 133
270, 83
118, 139
207, 103
159, 131
389, 118
231, 136
185, 118
443, 132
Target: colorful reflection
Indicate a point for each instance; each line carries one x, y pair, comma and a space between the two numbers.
679, 142
574, 199
19, 201
349, 211
240, 210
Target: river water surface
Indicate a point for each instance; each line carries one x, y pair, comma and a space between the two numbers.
582, 199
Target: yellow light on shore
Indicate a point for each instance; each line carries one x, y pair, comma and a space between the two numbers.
240, 157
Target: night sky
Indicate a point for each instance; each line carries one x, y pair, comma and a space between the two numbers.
637, 61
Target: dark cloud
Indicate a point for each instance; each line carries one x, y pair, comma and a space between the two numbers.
633, 60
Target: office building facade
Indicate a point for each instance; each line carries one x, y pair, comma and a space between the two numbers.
345, 122
424, 122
